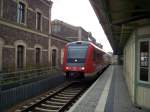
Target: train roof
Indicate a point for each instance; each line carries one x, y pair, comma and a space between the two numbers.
86, 43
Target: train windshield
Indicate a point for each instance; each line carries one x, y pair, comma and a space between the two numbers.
76, 55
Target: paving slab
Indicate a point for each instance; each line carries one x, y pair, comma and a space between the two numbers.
118, 99
108, 94
89, 101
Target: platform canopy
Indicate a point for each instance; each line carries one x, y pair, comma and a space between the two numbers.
119, 18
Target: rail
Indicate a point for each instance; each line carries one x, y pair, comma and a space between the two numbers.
58, 100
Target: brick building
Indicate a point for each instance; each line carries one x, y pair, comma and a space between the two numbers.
57, 45
25, 38
73, 33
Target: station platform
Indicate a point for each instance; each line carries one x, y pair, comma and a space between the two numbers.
108, 94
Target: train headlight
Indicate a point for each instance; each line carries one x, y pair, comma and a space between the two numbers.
67, 68
82, 68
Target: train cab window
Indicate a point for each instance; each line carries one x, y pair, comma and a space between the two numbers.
76, 55
77, 51
94, 56
144, 60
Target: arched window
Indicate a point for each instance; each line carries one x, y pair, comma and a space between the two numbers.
20, 56
54, 57
62, 56
38, 55
1, 53
38, 20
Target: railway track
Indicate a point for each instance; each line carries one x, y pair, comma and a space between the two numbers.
57, 100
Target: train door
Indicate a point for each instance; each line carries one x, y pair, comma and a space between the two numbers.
54, 57
144, 60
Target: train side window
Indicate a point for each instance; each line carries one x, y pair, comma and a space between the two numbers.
144, 60
94, 55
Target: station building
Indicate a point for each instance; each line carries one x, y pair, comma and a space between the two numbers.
127, 26
68, 31
28, 37
72, 33
25, 36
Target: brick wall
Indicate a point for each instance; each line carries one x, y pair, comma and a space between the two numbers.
60, 45
30, 22
10, 13
12, 32
10, 10
8, 60
38, 4
85, 35
65, 30
11, 35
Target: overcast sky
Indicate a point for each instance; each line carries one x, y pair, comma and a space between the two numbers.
80, 13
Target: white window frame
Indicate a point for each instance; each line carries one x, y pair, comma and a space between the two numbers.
41, 22
62, 56
1, 52
138, 64
41, 50
54, 47
22, 43
25, 13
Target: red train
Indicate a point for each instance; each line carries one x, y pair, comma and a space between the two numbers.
83, 59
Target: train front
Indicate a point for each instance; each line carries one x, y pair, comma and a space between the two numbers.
75, 56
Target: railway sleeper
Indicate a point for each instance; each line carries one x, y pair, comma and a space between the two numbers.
73, 91
66, 93
18, 110
38, 109
53, 107
58, 100
32, 103
62, 97
55, 103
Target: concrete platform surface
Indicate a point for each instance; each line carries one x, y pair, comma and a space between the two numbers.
108, 94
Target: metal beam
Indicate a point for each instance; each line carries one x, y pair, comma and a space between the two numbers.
130, 19
131, 11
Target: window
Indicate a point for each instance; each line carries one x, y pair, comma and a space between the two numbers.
1, 52
37, 55
144, 60
62, 56
76, 55
54, 57
94, 55
77, 52
21, 12
20, 56
1, 8
56, 28
39, 21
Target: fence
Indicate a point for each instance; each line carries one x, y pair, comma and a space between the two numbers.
22, 91
8, 80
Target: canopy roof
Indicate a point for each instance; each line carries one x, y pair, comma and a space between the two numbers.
119, 18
